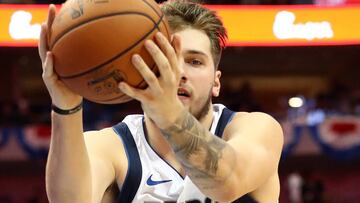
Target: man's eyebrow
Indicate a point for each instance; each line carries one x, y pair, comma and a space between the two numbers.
192, 51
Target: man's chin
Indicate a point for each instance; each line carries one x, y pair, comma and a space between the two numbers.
184, 99
203, 111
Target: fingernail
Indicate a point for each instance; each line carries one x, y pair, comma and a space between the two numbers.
159, 36
148, 45
136, 58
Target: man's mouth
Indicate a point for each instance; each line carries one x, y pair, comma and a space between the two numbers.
183, 92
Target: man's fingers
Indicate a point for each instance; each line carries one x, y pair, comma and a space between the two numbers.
160, 59
51, 15
48, 67
42, 43
49, 23
43, 46
167, 49
145, 72
176, 43
132, 92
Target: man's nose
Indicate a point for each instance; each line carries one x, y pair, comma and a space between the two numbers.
182, 70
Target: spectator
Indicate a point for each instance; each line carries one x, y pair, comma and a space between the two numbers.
295, 182
245, 100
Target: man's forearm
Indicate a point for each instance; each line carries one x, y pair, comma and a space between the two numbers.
68, 175
207, 159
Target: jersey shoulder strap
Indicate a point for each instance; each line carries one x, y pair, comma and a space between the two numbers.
245, 199
225, 118
134, 171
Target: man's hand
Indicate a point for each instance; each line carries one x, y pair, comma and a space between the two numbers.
61, 96
159, 100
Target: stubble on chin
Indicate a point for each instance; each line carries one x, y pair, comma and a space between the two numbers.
204, 110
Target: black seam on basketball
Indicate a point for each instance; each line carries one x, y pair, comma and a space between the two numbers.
146, 2
159, 14
156, 25
96, 18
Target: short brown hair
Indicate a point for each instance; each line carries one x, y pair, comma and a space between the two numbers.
182, 14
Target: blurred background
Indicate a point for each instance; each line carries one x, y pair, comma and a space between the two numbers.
311, 87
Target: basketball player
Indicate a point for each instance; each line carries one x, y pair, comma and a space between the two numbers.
183, 148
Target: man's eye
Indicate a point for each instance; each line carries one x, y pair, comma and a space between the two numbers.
195, 62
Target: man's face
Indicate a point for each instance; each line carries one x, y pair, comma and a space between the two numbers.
199, 80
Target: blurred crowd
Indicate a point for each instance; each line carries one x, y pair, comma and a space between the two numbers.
339, 99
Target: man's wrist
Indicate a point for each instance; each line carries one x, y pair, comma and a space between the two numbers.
67, 111
176, 124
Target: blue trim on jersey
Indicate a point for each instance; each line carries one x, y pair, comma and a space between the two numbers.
134, 171
245, 199
147, 141
225, 118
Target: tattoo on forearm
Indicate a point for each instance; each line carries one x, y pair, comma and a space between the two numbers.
198, 150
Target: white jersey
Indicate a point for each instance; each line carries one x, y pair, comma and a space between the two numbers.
150, 178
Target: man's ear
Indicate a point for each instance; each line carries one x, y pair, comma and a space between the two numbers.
217, 84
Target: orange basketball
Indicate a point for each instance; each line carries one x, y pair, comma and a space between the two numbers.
93, 40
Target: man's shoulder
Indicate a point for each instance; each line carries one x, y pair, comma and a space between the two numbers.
247, 122
110, 134
242, 117
104, 138
93, 134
